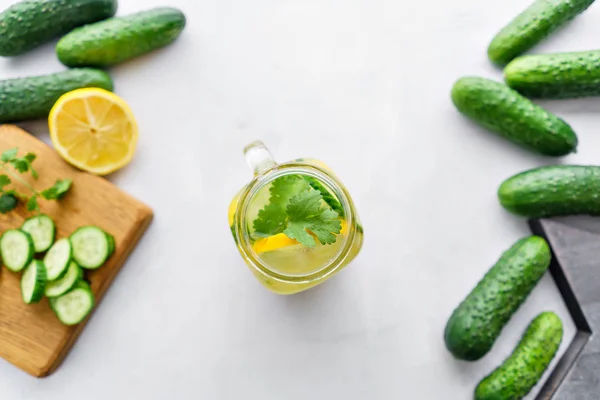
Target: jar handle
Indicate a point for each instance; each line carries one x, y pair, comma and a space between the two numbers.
258, 157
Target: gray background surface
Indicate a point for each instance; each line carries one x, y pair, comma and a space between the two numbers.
363, 85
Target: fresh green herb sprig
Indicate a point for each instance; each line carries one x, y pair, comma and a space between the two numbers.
295, 208
13, 166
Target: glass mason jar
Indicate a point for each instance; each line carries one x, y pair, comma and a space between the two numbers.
294, 224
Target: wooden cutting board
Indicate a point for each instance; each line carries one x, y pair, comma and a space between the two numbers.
31, 337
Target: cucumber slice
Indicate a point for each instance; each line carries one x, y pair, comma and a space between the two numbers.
91, 247
42, 231
16, 248
33, 282
111, 244
63, 285
72, 307
58, 258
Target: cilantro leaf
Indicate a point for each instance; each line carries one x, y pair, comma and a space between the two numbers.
58, 190
272, 218
29, 157
4, 180
306, 213
327, 196
8, 155
8, 202
20, 164
285, 187
32, 203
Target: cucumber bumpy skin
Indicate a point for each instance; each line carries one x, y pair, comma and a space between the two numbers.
505, 112
526, 365
27, 24
555, 76
552, 191
533, 25
119, 39
478, 321
29, 98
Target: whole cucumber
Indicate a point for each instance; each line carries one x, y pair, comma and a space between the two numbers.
30, 23
502, 110
33, 97
555, 76
477, 322
553, 191
533, 25
526, 365
119, 39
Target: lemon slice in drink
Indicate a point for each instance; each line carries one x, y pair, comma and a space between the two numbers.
94, 130
274, 242
281, 240
288, 256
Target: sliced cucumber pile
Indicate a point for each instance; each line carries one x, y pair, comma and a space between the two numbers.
72, 307
42, 231
58, 258
16, 249
60, 276
33, 282
91, 247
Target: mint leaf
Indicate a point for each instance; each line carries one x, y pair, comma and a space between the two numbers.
32, 203
58, 190
307, 213
8, 202
4, 180
9, 154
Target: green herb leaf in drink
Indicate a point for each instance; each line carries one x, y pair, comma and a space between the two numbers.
306, 212
299, 211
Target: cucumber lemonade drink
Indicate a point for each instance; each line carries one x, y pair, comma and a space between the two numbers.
295, 224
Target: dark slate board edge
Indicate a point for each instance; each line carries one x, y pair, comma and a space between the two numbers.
583, 334
564, 365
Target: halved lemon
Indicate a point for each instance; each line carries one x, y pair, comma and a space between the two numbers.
94, 130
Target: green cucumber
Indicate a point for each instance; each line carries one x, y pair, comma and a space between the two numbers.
67, 282
533, 25
552, 191
119, 39
58, 259
477, 322
33, 97
42, 231
91, 247
111, 244
30, 23
33, 282
17, 249
555, 76
526, 365
505, 112
74, 306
